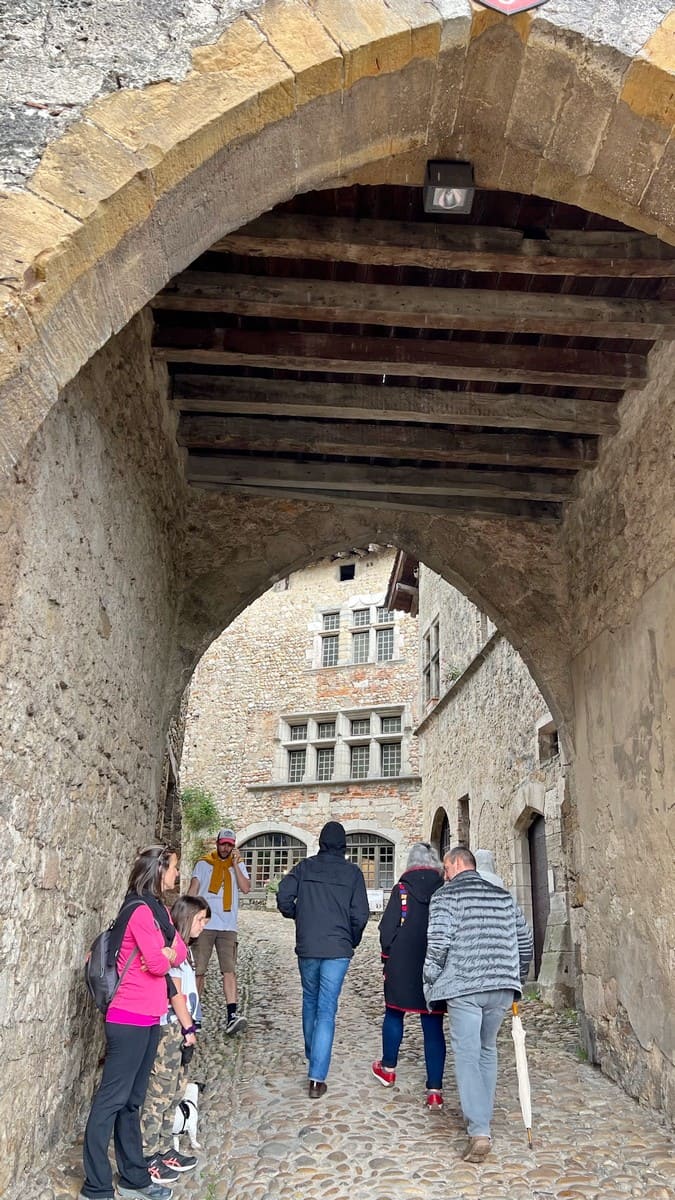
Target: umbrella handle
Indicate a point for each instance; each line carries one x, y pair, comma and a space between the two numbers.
514, 1009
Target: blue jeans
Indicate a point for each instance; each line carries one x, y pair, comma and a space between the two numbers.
474, 1025
434, 1043
322, 980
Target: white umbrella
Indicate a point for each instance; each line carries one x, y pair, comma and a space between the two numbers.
518, 1035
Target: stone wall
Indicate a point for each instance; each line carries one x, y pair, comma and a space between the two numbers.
88, 600
480, 756
266, 667
101, 627
621, 541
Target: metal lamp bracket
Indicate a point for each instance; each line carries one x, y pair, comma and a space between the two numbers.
511, 7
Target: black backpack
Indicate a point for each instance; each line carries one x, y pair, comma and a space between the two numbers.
100, 967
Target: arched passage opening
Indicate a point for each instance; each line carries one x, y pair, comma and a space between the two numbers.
441, 836
116, 578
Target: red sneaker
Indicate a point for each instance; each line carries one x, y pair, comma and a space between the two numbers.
434, 1100
386, 1076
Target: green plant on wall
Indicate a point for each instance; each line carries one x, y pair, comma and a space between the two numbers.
201, 820
200, 812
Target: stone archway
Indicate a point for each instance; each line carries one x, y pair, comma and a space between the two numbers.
115, 579
295, 97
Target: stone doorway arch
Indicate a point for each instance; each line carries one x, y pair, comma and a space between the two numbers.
120, 204
441, 834
295, 97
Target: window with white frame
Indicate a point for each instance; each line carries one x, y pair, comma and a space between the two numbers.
329, 651
384, 645
360, 727
331, 620
374, 635
325, 763
360, 762
296, 765
431, 663
361, 647
384, 616
372, 744
390, 761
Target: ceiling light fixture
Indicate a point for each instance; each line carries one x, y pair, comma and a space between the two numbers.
448, 187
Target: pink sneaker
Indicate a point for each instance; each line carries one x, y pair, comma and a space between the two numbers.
434, 1100
386, 1077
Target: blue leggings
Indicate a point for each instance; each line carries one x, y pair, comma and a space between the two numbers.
434, 1043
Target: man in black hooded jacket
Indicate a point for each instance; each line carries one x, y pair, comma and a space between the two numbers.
326, 897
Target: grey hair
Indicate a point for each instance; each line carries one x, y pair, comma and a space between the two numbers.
422, 854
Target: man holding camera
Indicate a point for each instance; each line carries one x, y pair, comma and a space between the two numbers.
219, 877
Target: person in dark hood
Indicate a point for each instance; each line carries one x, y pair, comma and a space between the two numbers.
326, 897
403, 938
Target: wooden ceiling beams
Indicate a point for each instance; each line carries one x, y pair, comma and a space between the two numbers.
425, 358
448, 505
489, 311
431, 406
598, 253
387, 440
409, 364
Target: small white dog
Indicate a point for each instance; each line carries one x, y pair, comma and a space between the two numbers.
187, 1114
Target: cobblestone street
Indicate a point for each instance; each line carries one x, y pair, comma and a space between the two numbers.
263, 1139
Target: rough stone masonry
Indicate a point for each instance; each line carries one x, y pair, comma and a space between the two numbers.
114, 579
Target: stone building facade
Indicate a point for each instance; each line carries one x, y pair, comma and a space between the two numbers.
301, 712
490, 760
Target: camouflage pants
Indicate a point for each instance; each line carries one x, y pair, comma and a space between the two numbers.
165, 1090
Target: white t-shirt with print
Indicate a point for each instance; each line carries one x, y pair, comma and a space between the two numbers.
219, 920
187, 982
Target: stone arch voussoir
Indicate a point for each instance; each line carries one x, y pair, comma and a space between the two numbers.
292, 97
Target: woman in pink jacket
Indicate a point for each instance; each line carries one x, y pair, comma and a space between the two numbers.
151, 946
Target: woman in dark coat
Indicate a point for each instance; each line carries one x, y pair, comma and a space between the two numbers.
403, 938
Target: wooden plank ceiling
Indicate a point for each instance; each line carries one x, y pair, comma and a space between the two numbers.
351, 349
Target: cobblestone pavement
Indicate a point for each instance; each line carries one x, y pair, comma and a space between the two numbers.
263, 1139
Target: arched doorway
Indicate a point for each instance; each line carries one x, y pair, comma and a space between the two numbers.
539, 884
441, 835
269, 856
375, 856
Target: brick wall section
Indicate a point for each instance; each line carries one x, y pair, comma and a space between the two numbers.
265, 666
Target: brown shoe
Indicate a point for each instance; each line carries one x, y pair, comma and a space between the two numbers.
478, 1149
317, 1089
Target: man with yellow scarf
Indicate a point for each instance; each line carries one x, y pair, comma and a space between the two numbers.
219, 877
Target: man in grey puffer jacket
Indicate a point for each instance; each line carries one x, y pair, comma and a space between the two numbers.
479, 949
